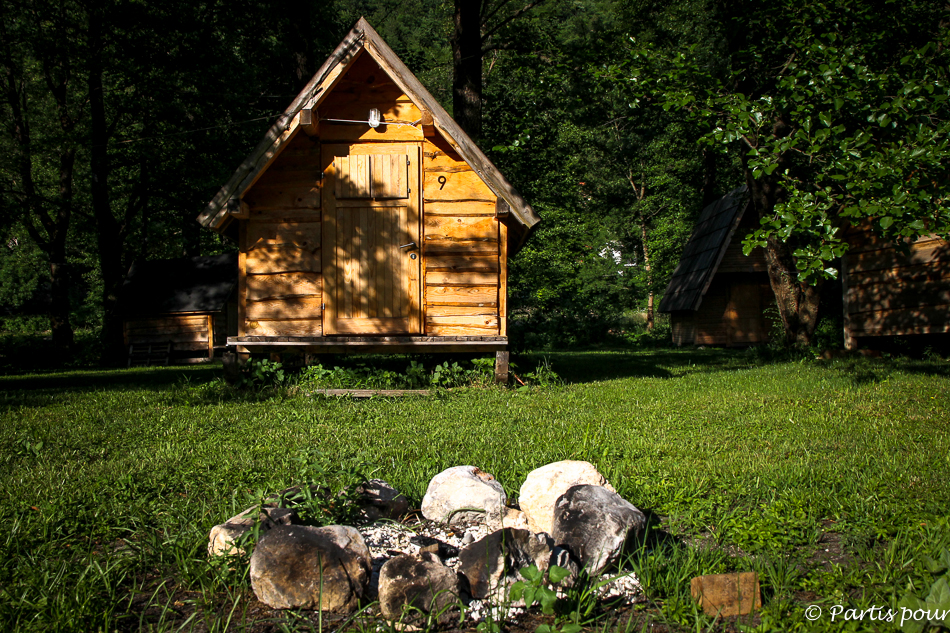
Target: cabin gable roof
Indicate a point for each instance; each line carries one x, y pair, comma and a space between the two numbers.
169, 286
362, 39
711, 236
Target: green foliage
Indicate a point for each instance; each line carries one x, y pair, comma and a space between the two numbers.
534, 588
258, 374
326, 490
542, 376
415, 376
936, 601
614, 186
843, 110
21, 271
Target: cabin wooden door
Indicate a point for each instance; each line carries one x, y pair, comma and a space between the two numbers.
372, 256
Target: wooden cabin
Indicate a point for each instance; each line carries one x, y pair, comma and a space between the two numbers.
368, 221
179, 310
892, 290
717, 295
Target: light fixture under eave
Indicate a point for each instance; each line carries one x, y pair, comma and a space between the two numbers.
374, 118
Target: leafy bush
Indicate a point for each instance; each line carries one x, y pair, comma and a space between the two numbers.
258, 374
415, 376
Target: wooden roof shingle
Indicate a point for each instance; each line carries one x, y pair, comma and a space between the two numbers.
704, 250
169, 286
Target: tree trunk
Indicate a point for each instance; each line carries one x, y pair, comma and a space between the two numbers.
710, 169
60, 326
467, 67
797, 302
646, 267
108, 231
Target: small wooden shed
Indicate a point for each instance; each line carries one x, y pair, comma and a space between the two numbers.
179, 309
367, 220
717, 295
892, 290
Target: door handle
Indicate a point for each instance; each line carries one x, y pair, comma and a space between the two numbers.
409, 245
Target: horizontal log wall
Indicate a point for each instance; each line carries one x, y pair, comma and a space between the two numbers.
366, 86
186, 332
281, 288
463, 243
734, 311
463, 249
684, 327
894, 292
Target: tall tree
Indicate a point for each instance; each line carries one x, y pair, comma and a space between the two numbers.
478, 29
616, 186
43, 105
839, 112
166, 82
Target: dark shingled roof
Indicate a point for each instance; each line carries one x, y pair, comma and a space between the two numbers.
704, 251
190, 284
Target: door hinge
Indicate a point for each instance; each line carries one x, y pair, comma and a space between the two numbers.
323, 306
408, 161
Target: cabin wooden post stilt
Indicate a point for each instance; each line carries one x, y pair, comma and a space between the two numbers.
501, 368
367, 221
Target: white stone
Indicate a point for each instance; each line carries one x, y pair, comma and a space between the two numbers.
464, 493
223, 539
543, 486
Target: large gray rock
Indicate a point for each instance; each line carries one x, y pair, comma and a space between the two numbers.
463, 494
594, 524
291, 563
421, 582
223, 539
379, 500
492, 564
543, 486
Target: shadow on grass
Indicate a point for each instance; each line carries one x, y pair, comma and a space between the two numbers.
866, 371
596, 366
109, 379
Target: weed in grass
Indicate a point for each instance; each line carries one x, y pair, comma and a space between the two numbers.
327, 492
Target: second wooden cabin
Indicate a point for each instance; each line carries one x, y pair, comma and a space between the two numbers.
368, 221
718, 296
895, 290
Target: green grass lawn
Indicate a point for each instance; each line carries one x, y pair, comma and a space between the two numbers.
830, 478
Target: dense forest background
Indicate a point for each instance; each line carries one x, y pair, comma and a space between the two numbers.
618, 120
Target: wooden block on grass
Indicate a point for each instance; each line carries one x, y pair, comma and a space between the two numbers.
727, 594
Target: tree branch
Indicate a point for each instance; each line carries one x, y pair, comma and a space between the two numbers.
490, 14
511, 17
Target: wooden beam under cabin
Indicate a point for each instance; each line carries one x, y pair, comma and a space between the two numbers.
364, 340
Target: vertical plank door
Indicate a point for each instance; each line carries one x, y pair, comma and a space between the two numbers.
371, 243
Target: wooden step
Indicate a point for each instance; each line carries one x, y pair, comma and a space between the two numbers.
369, 393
